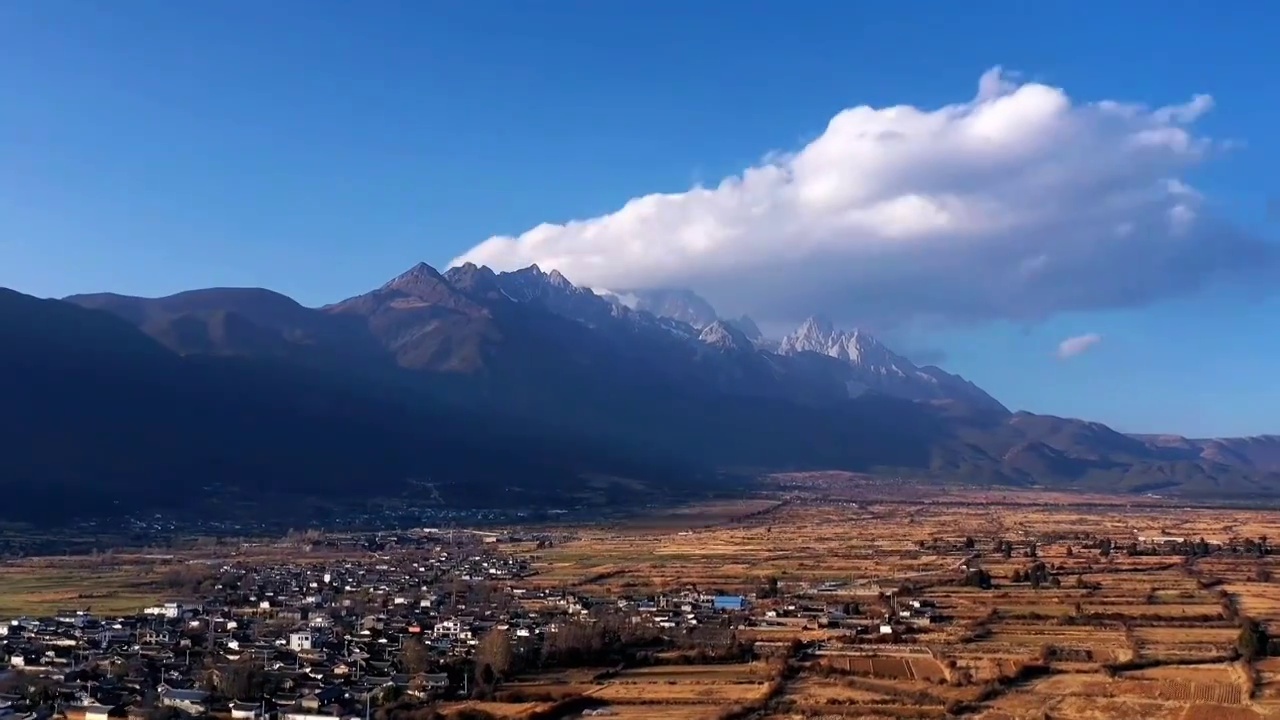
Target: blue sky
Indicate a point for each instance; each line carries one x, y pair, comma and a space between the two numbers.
318, 148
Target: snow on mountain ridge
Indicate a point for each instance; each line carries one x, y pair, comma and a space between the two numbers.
724, 336
875, 367
866, 364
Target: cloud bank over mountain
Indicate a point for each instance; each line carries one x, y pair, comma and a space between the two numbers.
1016, 204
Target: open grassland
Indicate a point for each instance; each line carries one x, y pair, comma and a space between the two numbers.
1100, 634
118, 583
42, 589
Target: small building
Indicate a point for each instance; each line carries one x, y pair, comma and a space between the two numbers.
169, 610
436, 681
451, 629
300, 641
245, 711
92, 711
729, 603
195, 702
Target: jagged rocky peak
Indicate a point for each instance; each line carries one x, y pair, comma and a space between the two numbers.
861, 347
531, 282
817, 334
556, 278
417, 277
724, 336
748, 327
473, 278
467, 270
814, 335
873, 366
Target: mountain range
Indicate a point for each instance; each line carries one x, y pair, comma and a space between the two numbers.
476, 387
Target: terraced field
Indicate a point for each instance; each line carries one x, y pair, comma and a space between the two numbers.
1114, 635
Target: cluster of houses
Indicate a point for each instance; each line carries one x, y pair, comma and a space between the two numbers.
318, 640
300, 641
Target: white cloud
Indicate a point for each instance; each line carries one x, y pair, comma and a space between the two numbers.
1078, 345
1017, 204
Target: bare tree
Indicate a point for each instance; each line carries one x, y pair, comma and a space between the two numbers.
495, 651
414, 657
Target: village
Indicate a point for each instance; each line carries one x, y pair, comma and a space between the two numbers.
768, 610
421, 617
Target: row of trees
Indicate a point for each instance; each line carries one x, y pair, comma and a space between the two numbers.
1260, 547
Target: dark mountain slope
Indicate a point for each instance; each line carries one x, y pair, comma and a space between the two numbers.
539, 369
529, 350
265, 306
99, 417
1260, 452
246, 322
565, 360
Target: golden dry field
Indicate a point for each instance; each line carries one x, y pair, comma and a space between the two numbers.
1152, 636
124, 582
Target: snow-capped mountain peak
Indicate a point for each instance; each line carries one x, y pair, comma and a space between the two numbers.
555, 278
817, 334
650, 323
817, 325
873, 366
724, 336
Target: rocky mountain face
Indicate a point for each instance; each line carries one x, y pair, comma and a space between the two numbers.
875, 368
563, 380
727, 337
866, 364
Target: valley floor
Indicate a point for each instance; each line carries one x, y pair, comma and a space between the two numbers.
1000, 606
1118, 635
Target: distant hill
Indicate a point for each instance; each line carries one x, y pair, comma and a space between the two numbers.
1261, 452
513, 387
